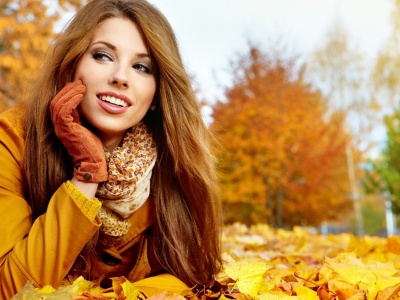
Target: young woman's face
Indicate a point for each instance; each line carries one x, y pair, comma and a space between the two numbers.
118, 73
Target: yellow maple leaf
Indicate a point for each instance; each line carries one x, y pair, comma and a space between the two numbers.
381, 284
347, 270
29, 292
130, 292
306, 293
248, 275
277, 296
82, 285
393, 244
47, 289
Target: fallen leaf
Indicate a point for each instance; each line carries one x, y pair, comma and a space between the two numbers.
248, 276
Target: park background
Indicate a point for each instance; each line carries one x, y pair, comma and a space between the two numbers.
302, 97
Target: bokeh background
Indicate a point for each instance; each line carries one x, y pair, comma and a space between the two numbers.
302, 96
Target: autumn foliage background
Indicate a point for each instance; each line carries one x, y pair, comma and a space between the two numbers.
293, 135
294, 148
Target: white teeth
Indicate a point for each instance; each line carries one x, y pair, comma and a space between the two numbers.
114, 100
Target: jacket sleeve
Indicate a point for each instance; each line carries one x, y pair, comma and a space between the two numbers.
42, 251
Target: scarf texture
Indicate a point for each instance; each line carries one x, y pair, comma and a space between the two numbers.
128, 185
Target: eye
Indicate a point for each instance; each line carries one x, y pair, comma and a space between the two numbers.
102, 56
141, 67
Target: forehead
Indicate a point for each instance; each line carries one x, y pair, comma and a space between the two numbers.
121, 32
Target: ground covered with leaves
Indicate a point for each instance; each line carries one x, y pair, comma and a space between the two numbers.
264, 263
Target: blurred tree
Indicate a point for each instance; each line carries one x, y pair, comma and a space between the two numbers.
385, 173
26, 30
384, 176
338, 70
279, 149
373, 209
386, 79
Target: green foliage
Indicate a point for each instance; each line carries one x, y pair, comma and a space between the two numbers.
373, 212
384, 175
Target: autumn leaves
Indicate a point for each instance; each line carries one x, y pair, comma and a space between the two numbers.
267, 264
299, 264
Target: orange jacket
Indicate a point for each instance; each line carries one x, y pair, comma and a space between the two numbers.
44, 251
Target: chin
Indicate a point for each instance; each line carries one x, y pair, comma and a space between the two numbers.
112, 130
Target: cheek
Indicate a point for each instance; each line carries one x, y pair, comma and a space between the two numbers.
86, 109
81, 71
79, 74
152, 92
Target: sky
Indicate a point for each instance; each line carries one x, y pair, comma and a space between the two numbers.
211, 32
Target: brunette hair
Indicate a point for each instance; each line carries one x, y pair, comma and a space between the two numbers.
186, 229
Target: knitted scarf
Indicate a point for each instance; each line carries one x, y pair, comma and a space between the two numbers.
128, 186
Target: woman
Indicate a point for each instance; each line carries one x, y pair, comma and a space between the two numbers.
107, 169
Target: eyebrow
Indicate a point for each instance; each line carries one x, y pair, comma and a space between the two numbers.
112, 47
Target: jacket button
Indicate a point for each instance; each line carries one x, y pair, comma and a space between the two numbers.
87, 176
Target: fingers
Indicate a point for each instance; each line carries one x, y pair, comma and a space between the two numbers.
68, 87
64, 108
66, 111
76, 116
67, 100
69, 91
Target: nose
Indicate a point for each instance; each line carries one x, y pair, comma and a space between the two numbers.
119, 78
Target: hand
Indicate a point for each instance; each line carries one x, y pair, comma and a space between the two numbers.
83, 145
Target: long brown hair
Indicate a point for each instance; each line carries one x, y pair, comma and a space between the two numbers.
186, 232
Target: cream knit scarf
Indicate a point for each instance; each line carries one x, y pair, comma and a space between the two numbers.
128, 186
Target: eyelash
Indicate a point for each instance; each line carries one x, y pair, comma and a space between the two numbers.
142, 68
99, 55
103, 56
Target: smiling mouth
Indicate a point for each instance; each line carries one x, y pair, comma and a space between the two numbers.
114, 101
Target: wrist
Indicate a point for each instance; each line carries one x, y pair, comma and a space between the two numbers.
87, 188
91, 172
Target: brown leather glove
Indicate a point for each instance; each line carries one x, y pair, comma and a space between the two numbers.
83, 145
